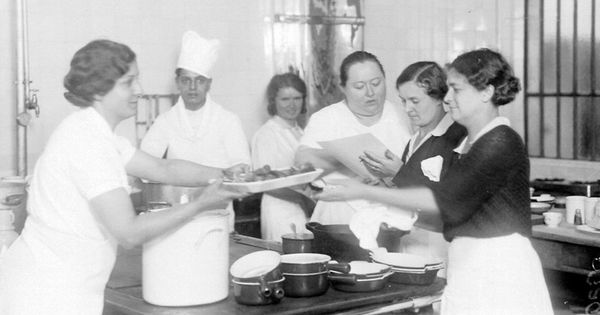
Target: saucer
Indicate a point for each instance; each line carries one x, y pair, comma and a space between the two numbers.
543, 198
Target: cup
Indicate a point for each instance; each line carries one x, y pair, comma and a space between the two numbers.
573, 203
588, 212
7, 218
552, 219
297, 243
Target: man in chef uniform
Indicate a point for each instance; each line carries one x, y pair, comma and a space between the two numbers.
196, 128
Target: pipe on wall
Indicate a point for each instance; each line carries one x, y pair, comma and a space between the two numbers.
22, 83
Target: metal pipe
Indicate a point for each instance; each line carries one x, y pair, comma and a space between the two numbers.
22, 85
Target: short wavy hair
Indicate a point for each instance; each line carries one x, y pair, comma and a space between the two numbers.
427, 75
484, 67
280, 81
95, 68
354, 58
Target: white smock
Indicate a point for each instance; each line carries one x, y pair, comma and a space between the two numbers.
275, 144
211, 136
497, 275
337, 121
421, 241
61, 262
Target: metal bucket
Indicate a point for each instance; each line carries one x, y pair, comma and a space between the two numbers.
153, 192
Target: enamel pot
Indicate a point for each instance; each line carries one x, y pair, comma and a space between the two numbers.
306, 273
257, 278
363, 277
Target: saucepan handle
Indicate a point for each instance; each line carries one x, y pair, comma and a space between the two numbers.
341, 278
339, 267
312, 226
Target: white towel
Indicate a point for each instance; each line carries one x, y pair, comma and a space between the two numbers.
368, 217
432, 167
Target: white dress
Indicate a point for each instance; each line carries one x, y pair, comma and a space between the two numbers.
211, 136
61, 262
275, 144
337, 121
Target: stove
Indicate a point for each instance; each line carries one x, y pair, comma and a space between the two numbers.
561, 186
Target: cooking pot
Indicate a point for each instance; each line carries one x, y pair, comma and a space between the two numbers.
363, 277
13, 196
338, 241
306, 273
159, 192
188, 266
297, 243
257, 278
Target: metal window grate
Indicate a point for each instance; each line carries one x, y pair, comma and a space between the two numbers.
561, 90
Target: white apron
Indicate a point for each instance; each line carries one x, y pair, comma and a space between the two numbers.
494, 276
50, 284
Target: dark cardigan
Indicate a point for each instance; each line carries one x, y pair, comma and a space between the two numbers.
410, 174
485, 192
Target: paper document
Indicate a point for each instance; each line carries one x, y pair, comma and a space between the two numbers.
347, 151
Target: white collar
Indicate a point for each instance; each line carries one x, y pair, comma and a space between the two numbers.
438, 131
498, 121
442, 126
283, 123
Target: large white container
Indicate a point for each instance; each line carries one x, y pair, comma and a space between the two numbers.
190, 265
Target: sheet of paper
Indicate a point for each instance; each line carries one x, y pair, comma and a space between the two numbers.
347, 151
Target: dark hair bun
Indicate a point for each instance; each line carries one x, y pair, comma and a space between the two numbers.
507, 92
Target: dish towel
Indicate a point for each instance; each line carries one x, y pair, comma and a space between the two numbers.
368, 217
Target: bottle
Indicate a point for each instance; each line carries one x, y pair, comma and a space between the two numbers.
577, 220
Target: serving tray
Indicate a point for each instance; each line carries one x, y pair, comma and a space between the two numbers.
275, 183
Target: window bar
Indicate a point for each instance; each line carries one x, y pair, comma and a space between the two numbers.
541, 78
558, 66
525, 76
575, 120
593, 77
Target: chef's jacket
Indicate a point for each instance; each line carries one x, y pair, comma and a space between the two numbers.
211, 136
61, 262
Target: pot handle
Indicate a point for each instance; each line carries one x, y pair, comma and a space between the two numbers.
278, 294
312, 226
339, 267
341, 278
265, 289
203, 236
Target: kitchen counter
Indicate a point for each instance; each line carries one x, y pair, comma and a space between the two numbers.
123, 294
564, 248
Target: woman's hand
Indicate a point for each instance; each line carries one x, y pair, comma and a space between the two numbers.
342, 189
217, 196
381, 166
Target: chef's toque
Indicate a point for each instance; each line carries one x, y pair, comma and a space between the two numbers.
197, 53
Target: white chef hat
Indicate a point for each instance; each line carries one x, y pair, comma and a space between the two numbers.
197, 53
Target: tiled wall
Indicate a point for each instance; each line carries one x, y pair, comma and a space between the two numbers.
398, 32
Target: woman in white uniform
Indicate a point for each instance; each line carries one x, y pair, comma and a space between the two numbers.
364, 110
275, 144
79, 207
483, 199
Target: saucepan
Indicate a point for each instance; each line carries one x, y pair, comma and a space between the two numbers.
297, 243
338, 241
306, 273
363, 277
257, 278
410, 268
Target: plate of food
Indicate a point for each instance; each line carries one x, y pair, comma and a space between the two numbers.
265, 178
